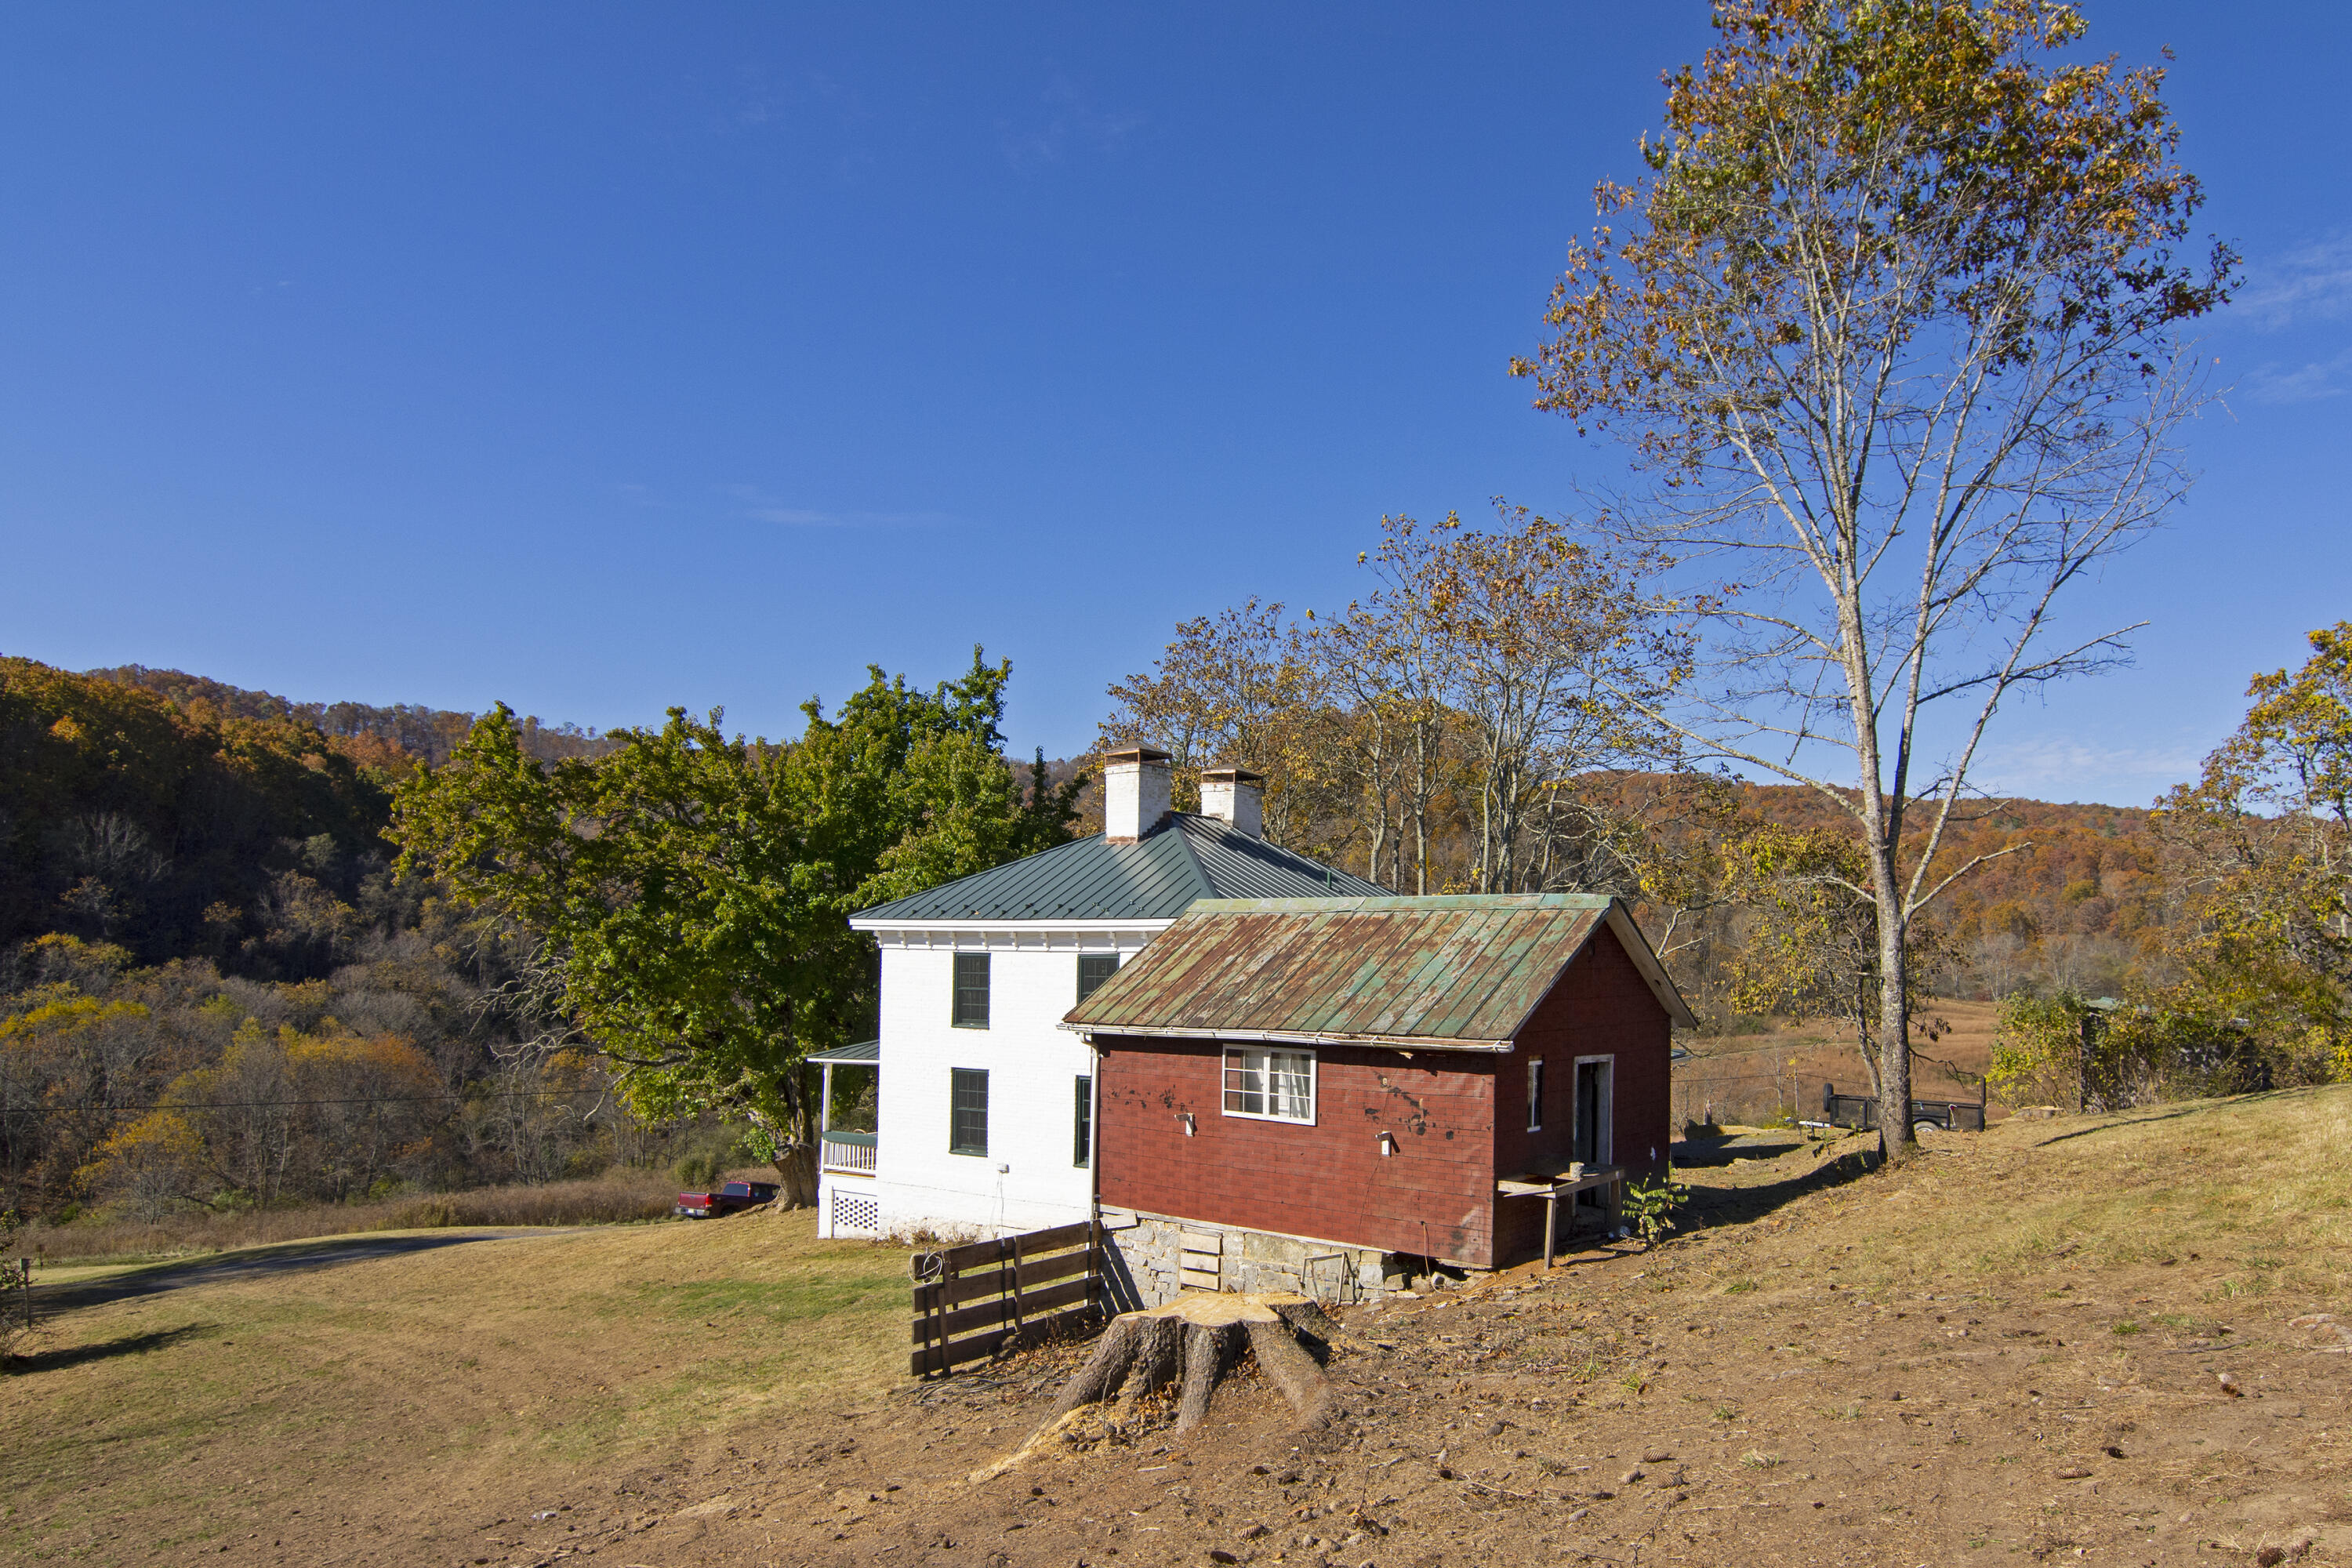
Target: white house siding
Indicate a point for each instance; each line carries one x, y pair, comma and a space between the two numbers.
1027, 1180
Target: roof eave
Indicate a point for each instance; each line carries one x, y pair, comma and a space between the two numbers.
1292, 1037
999, 922
1645, 959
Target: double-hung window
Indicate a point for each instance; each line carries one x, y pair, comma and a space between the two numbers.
1094, 968
1271, 1085
968, 1112
970, 990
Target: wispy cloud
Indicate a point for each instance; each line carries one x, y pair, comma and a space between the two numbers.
761, 508
1069, 121
2273, 383
2070, 768
2312, 282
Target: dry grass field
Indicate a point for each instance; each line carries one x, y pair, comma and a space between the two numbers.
1747, 1078
613, 1198
363, 1398
2082, 1339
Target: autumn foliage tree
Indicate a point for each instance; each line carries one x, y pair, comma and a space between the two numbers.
1894, 323
2260, 850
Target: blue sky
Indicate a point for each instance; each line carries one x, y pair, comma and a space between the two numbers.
598, 358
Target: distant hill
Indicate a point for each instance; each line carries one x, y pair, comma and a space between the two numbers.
2069, 905
175, 829
426, 734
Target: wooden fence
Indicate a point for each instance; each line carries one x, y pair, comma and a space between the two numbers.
970, 1299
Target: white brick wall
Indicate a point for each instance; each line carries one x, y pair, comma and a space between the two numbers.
1027, 1181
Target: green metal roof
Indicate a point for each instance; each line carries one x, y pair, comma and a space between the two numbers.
1157, 877
1460, 971
859, 1055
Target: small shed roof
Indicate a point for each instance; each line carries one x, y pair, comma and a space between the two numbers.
1458, 973
864, 1053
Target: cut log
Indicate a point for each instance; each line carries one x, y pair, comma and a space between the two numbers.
1308, 1316
1285, 1361
1159, 1360
1104, 1372
1193, 1341
1209, 1349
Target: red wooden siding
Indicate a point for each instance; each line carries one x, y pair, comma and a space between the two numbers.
1602, 1006
1460, 1121
1434, 1197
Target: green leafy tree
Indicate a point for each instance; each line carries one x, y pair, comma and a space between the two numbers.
690, 890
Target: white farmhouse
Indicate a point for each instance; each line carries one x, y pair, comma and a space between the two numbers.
985, 1114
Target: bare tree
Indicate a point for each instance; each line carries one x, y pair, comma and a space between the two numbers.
1896, 324
1390, 658
1552, 651
1511, 649
1238, 688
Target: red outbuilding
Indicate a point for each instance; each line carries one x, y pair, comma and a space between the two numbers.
1330, 1095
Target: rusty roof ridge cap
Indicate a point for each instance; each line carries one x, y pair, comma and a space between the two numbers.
1293, 1037
1402, 903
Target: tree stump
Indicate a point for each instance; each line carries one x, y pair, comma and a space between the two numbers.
1192, 1341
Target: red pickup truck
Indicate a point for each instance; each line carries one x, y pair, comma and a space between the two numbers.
731, 1197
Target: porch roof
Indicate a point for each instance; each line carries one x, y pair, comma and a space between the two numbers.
865, 1053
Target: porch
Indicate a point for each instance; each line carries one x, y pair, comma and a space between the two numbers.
846, 1204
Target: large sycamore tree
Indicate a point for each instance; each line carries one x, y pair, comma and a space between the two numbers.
688, 895
1893, 326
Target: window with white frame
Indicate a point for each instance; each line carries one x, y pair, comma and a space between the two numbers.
1270, 1084
1535, 1095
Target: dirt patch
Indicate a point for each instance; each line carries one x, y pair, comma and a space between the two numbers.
2102, 1340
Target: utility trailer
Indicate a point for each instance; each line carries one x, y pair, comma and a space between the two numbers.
1860, 1111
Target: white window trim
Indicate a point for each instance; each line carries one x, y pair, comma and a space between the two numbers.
1535, 1094
1607, 1153
1314, 1085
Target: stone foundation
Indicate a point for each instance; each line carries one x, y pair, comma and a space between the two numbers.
1158, 1248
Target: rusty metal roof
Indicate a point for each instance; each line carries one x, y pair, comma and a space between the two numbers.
1460, 972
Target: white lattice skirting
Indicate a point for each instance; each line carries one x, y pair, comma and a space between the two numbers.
854, 1216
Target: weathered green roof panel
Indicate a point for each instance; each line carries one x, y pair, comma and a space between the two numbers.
1157, 877
1460, 971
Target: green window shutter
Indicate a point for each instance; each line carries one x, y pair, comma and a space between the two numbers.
1082, 1140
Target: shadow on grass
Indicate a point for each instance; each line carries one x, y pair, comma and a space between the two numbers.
104, 1350
1712, 1206
256, 1263
1704, 1153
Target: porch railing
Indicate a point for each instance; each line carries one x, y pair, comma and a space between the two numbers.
850, 1151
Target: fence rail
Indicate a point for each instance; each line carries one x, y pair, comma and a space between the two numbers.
970, 1301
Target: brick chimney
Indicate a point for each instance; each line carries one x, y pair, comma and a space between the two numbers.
1235, 796
1135, 793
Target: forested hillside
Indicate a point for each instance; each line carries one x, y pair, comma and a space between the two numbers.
198, 905
219, 986
394, 738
